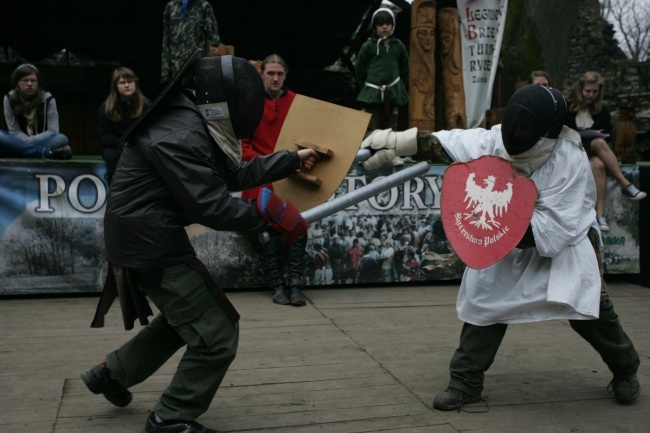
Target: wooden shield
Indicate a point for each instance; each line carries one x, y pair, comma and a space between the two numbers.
339, 130
486, 207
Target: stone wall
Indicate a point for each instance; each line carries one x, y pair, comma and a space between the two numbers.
567, 38
593, 47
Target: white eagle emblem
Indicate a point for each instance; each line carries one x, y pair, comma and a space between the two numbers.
486, 202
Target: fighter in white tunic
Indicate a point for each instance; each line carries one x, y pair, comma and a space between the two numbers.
554, 271
557, 280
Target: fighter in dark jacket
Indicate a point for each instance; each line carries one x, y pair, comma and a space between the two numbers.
178, 168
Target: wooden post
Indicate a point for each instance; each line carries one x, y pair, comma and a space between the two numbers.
625, 133
453, 90
422, 75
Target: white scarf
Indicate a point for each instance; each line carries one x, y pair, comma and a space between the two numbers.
217, 119
532, 159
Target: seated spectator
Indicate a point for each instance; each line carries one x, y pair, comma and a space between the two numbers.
32, 119
124, 103
592, 120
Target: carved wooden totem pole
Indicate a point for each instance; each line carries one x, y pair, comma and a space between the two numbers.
625, 133
453, 91
422, 76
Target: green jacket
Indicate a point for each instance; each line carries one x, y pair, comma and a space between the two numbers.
382, 69
181, 37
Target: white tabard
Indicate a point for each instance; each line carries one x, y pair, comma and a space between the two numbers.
559, 277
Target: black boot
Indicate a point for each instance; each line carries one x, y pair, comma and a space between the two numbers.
272, 265
297, 265
99, 381
280, 295
295, 297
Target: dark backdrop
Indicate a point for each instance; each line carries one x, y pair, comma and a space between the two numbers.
104, 33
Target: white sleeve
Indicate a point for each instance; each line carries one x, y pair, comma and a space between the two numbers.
464, 145
564, 209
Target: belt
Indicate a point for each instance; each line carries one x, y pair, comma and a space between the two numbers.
383, 87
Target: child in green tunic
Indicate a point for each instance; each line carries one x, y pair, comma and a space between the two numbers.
382, 68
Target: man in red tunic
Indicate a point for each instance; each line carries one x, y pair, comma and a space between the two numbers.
278, 101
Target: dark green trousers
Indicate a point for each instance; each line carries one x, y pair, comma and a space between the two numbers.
192, 317
479, 345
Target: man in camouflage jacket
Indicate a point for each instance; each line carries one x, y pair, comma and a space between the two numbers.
187, 25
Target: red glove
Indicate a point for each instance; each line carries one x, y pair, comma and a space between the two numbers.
281, 214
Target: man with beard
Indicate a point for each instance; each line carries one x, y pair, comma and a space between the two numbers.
277, 259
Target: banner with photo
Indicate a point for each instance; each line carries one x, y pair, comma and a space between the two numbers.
52, 238
482, 23
51, 232
621, 244
405, 219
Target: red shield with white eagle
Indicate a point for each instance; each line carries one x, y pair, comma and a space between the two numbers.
486, 207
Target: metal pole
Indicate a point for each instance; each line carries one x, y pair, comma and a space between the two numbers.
358, 195
362, 155
364, 193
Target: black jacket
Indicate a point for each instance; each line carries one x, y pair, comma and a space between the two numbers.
111, 132
171, 174
602, 123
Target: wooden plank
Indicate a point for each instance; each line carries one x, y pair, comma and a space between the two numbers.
353, 360
323, 151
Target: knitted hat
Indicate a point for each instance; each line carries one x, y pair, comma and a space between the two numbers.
390, 12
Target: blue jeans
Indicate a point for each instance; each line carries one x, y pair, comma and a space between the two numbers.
14, 147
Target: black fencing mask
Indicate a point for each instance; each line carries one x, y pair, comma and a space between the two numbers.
534, 112
234, 81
